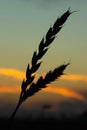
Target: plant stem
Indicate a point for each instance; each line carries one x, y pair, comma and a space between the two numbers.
14, 112
13, 115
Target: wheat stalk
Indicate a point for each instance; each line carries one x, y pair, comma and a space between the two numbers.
28, 87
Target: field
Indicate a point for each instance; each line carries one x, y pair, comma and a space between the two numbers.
42, 123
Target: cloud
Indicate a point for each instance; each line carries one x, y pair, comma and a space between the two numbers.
65, 92
7, 89
75, 77
51, 89
12, 73
17, 74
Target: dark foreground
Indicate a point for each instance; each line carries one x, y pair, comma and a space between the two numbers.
71, 123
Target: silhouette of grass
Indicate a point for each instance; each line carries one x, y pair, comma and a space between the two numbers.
28, 87
42, 123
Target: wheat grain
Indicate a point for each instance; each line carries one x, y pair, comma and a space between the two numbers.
28, 87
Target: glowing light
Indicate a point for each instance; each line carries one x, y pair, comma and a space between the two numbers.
65, 92
57, 90
75, 77
17, 74
12, 73
6, 89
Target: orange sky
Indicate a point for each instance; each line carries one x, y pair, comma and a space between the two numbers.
57, 90
19, 75
12, 73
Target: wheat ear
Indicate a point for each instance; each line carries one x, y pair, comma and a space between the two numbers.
28, 87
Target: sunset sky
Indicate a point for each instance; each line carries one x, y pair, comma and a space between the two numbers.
23, 23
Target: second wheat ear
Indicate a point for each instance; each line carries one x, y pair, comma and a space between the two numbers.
28, 87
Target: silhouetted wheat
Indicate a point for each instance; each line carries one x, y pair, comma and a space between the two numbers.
28, 87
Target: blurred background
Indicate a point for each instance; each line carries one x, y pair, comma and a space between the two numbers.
23, 23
